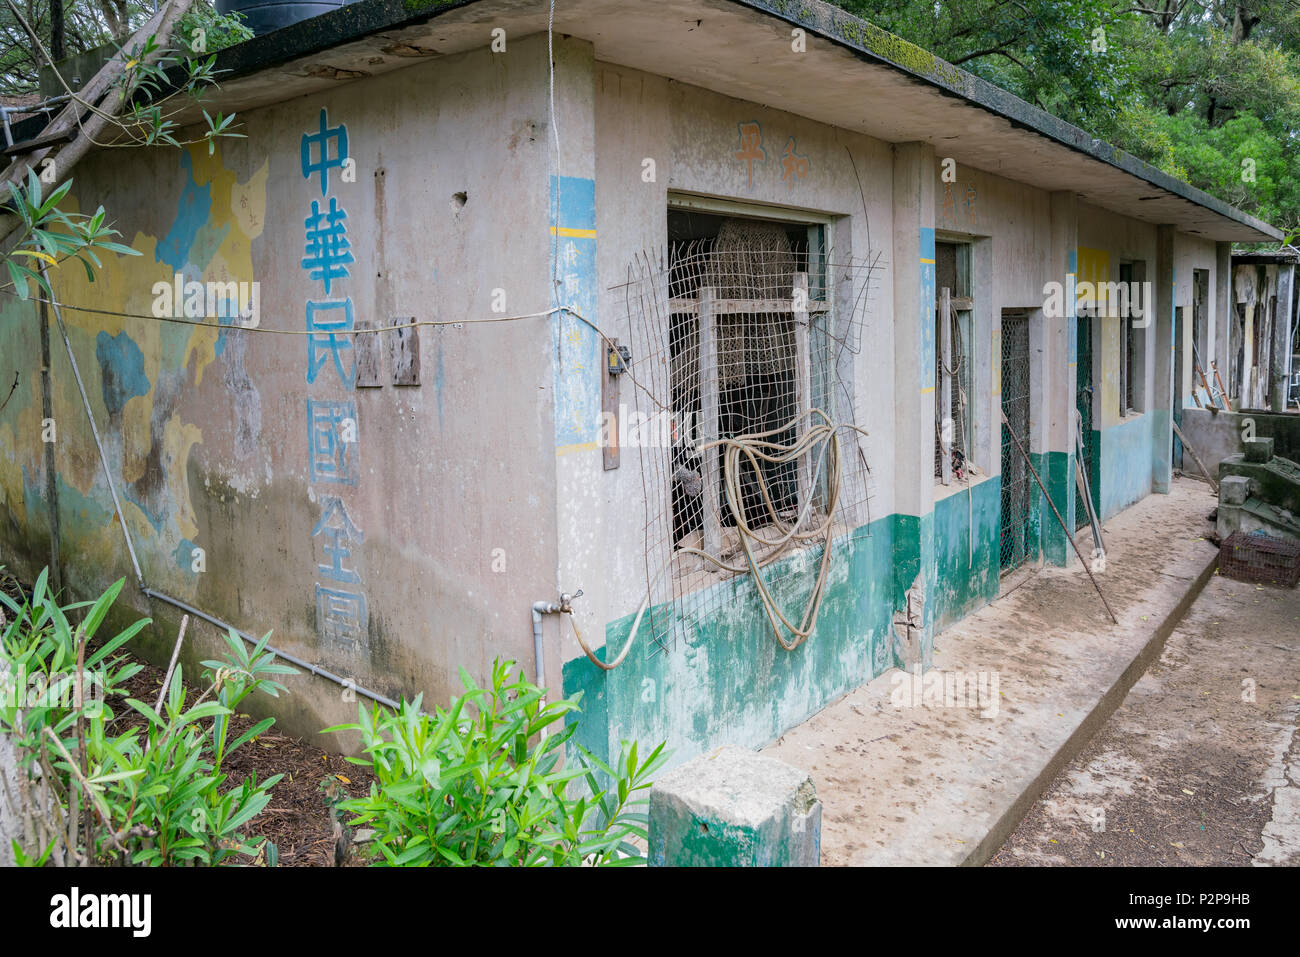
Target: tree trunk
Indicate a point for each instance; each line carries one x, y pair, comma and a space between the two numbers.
58, 46
102, 90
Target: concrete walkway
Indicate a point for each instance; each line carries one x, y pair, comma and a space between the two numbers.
908, 778
1201, 764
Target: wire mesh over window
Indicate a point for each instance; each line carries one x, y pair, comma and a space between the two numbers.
744, 332
952, 395
1015, 545
952, 379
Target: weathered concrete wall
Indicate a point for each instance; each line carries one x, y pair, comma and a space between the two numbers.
732, 682
208, 432
1217, 434
1123, 444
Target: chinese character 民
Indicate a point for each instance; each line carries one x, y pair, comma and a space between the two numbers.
325, 344
340, 534
793, 166
324, 160
328, 248
331, 442
751, 147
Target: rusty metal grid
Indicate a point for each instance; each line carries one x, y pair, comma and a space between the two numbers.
1257, 557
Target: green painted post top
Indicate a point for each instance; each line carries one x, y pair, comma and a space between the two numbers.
735, 808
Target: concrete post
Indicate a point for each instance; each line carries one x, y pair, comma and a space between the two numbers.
914, 394
1052, 427
735, 808
578, 357
1161, 334
1278, 384
1223, 312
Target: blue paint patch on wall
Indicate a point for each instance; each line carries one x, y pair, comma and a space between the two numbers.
577, 364
966, 578
184, 556
928, 293
191, 213
1126, 463
122, 370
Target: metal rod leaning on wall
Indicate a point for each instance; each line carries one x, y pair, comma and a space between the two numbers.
1052, 505
1188, 446
135, 564
316, 670
94, 430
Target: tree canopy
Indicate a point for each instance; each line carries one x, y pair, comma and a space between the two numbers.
1207, 90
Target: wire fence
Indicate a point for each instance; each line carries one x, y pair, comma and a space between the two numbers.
1015, 543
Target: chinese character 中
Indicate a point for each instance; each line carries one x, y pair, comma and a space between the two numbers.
324, 161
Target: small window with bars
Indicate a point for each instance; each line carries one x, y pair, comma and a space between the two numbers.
953, 435
1132, 343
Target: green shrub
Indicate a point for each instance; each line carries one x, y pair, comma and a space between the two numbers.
217, 30
150, 795
479, 783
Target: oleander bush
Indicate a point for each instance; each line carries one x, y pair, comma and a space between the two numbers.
481, 783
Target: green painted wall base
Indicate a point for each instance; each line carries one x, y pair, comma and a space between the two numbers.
727, 680
966, 577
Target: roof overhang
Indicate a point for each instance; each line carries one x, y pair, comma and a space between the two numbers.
853, 75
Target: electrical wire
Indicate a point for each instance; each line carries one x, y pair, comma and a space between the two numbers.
222, 327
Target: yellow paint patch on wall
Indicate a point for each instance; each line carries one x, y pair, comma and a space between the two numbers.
178, 439
1109, 366
11, 477
241, 209
137, 439
1094, 267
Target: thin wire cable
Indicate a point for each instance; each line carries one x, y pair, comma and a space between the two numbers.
221, 327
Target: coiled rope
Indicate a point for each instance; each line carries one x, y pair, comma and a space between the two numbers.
821, 440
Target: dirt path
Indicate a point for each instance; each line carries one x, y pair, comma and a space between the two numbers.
1201, 764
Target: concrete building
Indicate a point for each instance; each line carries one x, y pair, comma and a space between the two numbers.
393, 505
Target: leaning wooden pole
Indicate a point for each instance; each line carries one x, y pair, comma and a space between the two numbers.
1034, 473
1204, 471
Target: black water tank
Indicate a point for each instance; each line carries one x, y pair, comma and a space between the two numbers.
263, 16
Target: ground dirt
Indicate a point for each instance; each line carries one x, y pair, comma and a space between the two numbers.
297, 820
1201, 763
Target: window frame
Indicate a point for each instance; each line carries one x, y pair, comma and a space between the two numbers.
820, 231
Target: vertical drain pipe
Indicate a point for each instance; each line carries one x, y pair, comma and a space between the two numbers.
541, 608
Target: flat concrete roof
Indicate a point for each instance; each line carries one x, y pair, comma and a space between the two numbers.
854, 75
1280, 256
